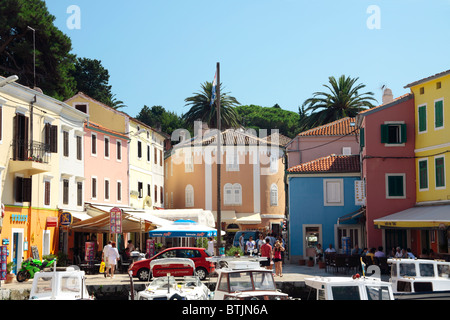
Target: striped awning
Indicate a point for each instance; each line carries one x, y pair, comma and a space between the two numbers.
432, 216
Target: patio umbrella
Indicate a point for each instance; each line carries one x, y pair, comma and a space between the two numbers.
183, 228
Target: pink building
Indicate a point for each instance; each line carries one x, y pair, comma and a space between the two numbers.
338, 137
106, 166
388, 166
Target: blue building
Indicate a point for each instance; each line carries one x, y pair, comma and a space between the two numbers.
323, 207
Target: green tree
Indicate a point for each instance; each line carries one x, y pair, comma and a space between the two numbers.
344, 100
202, 110
157, 117
257, 117
53, 59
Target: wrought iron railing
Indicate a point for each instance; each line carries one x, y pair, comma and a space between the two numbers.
31, 151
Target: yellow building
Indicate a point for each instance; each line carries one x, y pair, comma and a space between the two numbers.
36, 132
432, 137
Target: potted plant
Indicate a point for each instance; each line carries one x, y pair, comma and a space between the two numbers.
311, 262
302, 262
9, 274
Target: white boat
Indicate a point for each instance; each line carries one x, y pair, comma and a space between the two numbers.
420, 279
244, 279
350, 288
58, 283
169, 288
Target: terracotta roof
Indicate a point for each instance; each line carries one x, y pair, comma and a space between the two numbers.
278, 137
95, 126
437, 75
393, 102
341, 127
329, 164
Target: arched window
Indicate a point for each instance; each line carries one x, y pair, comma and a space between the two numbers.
237, 194
189, 196
232, 194
273, 195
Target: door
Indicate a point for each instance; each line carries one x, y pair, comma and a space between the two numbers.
20, 131
17, 249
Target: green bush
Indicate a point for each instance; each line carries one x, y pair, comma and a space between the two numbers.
232, 251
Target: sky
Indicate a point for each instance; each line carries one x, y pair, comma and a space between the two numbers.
159, 52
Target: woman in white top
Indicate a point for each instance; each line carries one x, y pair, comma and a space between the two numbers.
113, 256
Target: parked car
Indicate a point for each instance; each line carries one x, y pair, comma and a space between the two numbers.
247, 234
141, 268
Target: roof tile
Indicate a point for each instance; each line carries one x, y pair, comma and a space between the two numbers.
329, 164
341, 127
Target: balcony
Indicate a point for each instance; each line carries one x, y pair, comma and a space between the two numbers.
30, 158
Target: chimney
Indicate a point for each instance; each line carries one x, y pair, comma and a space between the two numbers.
387, 96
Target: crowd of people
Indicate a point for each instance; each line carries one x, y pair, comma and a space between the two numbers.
270, 247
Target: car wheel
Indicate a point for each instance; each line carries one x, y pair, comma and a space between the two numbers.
201, 273
144, 274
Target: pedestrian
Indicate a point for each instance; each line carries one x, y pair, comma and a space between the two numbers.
105, 256
113, 257
319, 253
242, 242
409, 254
260, 242
278, 248
356, 250
392, 253
330, 249
130, 246
379, 253
371, 254
250, 245
266, 252
399, 253
210, 246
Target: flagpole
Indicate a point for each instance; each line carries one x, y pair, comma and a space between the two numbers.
219, 157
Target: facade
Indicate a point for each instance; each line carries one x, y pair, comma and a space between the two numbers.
252, 179
337, 137
322, 206
37, 152
388, 167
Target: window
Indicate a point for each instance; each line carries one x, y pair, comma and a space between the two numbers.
79, 193
23, 189
93, 144
333, 192
148, 153
51, 137
139, 151
65, 191
232, 158
155, 155
119, 150
393, 133
160, 158
438, 85
161, 195
81, 107
119, 191
440, 172
66, 143
79, 148
107, 147
273, 195
46, 193
273, 163
423, 174
149, 191
439, 114
140, 189
189, 196
188, 163
422, 118
422, 90
156, 193
94, 188
346, 151
106, 189
395, 186
233, 194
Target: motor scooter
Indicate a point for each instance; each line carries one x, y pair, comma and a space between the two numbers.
30, 267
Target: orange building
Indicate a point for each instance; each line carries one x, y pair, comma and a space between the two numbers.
252, 178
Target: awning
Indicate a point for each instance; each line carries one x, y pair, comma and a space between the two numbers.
248, 218
433, 216
184, 228
228, 216
204, 217
352, 215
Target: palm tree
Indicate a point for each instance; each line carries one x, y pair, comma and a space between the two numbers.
202, 109
343, 101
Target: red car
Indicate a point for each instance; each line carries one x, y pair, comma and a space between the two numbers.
141, 269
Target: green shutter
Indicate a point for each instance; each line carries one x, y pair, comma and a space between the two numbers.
439, 169
422, 118
361, 137
423, 175
403, 133
395, 186
384, 133
438, 114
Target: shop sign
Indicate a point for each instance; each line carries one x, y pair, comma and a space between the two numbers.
52, 222
115, 220
65, 219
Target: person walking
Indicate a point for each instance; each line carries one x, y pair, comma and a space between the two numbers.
105, 258
266, 252
250, 245
113, 257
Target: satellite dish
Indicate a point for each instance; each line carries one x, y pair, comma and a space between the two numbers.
147, 202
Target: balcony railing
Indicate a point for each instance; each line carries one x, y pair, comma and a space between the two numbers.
31, 151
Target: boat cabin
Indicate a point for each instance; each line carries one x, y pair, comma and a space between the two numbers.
419, 275
62, 284
350, 288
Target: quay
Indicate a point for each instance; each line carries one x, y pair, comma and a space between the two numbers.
292, 282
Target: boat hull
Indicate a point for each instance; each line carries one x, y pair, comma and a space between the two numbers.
435, 295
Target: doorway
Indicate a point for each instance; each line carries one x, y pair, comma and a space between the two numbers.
17, 249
